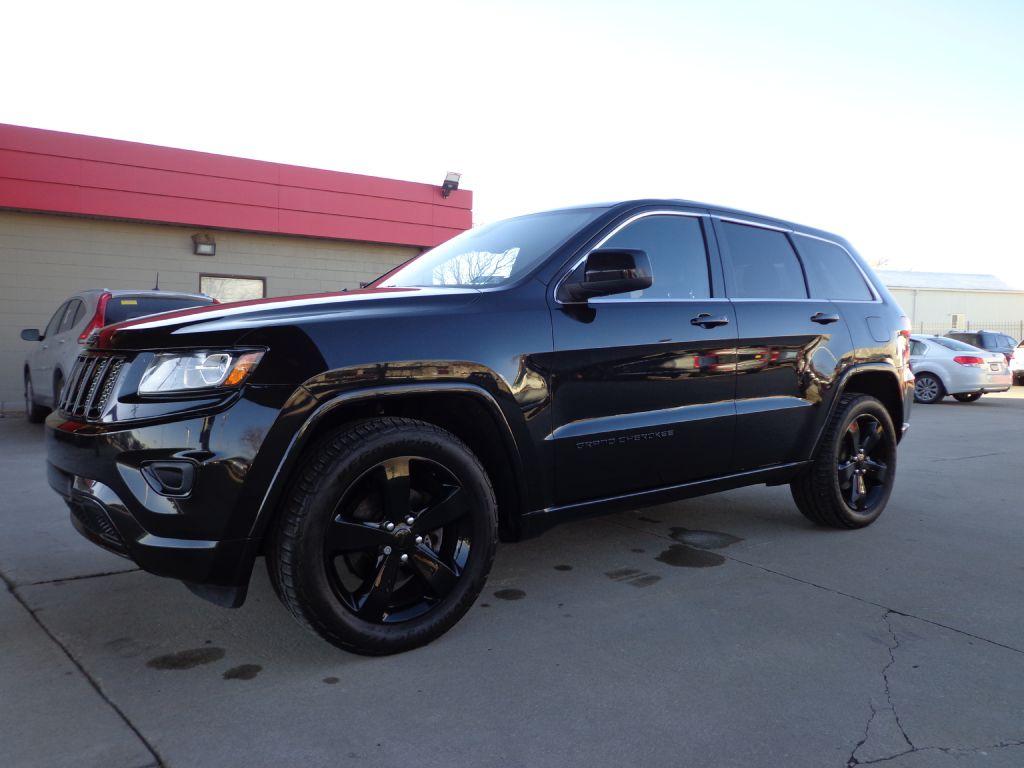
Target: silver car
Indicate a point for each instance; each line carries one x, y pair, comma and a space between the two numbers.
944, 366
58, 345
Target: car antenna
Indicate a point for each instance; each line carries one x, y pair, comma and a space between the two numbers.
157, 286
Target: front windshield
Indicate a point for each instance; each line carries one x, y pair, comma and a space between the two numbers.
494, 254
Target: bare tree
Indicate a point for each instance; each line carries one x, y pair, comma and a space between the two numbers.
475, 267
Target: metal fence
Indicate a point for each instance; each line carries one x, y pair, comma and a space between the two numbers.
1014, 328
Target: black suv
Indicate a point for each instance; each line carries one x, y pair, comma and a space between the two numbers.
991, 341
375, 444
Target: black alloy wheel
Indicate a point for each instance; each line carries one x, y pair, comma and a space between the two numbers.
851, 476
398, 542
387, 537
863, 464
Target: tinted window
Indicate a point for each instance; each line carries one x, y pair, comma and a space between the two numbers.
1009, 341
831, 273
121, 308
763, 264
970, 338
74, 312
916, 347
492, 254
51, 327
679, 258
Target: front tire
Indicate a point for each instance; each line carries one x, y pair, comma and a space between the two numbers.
387, 537
34, 413
968, 397
928, 389
852, 475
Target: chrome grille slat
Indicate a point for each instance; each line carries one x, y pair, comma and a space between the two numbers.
99, 371
93, 380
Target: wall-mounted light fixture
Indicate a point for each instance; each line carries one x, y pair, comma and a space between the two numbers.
451, 183
203, 245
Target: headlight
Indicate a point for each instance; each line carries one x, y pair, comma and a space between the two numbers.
176, 372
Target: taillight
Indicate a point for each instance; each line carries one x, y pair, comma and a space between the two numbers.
97, 319
903, 340
977, 362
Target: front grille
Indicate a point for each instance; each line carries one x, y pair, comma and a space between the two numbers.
90, 385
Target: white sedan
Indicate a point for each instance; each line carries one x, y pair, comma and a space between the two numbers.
944, 366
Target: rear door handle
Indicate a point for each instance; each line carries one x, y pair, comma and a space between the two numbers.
705, 320
824, 319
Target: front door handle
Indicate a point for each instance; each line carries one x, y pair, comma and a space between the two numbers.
705, 320
824, 319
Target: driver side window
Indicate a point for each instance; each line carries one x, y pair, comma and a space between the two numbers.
678, 254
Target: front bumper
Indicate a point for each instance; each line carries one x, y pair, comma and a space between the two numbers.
201, 533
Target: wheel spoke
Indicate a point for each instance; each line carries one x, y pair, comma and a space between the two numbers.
878, 470
375, 602
450, 508
846, 472
855, 436
394, 479
873, 436
428, 566
856, 491
345, 536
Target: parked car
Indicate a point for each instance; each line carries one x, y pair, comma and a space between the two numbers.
945, 366
58, 345
375, 444
992, 341
1017, 364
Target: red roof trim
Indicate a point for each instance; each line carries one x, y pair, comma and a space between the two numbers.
69, 173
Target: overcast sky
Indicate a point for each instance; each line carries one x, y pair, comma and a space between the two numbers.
898, 124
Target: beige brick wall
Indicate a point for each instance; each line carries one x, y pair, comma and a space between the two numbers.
45, 258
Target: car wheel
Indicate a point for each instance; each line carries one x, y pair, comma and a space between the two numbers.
928, 389
34, 413
968, 397
387, 537
852, 474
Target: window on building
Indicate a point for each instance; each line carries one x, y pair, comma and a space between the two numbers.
764, 265
679, 257
831, 273
225, 288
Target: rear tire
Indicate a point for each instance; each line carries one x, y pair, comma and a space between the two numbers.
852, 474
928, 389
34, 413
372, 493
968, 397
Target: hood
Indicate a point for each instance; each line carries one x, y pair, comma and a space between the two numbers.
229, 323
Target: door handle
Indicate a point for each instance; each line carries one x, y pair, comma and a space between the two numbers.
705, 320
824, 319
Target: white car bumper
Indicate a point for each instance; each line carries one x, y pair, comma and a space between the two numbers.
969, 379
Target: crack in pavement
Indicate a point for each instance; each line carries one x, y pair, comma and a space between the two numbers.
75, 578
866, 601
892, 647
158, 761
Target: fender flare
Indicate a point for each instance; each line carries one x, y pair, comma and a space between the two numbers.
840, 388
301, 438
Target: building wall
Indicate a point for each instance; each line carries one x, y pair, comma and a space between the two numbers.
45, 258
935, 307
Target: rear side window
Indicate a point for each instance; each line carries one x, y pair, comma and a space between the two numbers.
831, 273
955, 344
73, 314
764, 265
679, 257
121, 308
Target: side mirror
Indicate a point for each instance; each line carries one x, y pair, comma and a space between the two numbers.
31, 334
606, 272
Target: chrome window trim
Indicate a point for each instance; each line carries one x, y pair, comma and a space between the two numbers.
871, 288
793, 232
610, 235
